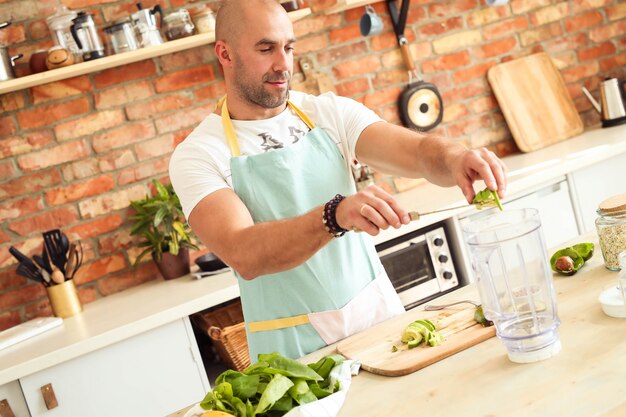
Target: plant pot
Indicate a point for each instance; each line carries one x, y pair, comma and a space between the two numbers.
173, 266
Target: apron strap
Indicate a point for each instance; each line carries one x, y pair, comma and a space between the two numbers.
229, 129
303, 116
263, 326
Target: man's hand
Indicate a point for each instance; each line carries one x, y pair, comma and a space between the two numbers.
370, 210
478, 164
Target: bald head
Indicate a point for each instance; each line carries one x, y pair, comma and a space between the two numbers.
235, 16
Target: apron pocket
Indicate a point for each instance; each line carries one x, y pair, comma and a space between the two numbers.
377, 302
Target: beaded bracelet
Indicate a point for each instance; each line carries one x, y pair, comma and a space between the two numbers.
328, 217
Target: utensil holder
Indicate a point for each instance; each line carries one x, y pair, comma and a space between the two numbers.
64, 299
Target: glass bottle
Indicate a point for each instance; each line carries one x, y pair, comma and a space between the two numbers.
611, 228
178, 25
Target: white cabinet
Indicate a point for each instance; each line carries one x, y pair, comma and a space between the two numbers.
151, 374
12, 402
593, 184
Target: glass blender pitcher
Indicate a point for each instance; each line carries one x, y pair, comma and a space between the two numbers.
84, 33
59, 25
510, 263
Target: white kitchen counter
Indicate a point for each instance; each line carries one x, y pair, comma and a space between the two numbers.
115, 318
148, 306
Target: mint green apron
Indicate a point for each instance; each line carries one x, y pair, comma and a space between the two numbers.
286, 183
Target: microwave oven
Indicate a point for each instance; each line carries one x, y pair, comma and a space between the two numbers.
422, 264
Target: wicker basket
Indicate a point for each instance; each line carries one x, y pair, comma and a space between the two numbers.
226, 328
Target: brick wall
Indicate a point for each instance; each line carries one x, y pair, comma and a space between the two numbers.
74, 153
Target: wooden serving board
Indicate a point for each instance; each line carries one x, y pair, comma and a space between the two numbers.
373, 347
314, 82
534, 100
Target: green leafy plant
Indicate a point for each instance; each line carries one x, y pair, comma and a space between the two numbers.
159, 220
272, 387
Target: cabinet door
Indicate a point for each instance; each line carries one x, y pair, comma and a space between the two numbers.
595, 183
12, 400
152, 374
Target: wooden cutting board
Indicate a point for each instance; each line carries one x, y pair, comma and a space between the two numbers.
535, 102
373, 347
314, 82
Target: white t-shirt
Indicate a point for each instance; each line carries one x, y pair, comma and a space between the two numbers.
200, 165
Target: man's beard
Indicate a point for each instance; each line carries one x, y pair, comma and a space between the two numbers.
257, 94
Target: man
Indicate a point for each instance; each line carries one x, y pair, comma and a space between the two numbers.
265, 183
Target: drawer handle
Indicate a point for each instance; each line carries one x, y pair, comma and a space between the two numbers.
5, 409
48, 397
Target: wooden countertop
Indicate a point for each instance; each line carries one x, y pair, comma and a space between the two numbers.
587, 378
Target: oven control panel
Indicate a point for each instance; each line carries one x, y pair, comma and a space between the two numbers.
442, 261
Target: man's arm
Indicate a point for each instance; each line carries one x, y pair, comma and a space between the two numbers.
225, 226
395, 150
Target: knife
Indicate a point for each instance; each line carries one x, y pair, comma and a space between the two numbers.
414, 215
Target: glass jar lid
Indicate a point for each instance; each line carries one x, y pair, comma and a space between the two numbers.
613, 205
177, 15
61, 19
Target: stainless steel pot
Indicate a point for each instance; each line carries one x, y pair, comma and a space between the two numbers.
7, 63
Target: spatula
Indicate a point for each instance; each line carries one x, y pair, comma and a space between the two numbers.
53, 241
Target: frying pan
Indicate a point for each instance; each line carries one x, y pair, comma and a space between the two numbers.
420, 103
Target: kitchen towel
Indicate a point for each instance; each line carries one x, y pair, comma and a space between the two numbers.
326, 407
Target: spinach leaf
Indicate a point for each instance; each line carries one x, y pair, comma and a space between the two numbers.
278, 364
277, 387
326, 364
244, 386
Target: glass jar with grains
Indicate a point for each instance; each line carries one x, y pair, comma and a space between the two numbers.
178, 25
611, 227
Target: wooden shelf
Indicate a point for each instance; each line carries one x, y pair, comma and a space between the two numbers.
119, 59
349, 4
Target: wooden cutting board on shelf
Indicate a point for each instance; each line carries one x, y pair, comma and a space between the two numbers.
374, 346
314, 82
534, 100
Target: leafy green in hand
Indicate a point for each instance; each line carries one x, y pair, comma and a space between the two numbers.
487, 198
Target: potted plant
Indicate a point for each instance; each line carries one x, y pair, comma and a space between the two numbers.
160, 221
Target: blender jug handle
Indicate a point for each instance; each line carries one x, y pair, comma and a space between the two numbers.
157, 9
75, 36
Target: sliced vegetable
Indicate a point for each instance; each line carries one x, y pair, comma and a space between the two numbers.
487, 198
479, 316
585, 250
566, 266
420, 332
